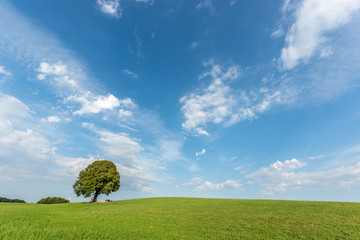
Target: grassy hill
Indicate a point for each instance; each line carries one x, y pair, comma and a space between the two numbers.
182, 218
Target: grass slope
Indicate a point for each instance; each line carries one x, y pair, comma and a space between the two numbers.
182, 218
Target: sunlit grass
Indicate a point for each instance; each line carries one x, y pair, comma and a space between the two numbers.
182, 218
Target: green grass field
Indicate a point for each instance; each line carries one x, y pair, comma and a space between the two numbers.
182, 218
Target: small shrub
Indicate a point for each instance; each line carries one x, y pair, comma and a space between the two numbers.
52, 200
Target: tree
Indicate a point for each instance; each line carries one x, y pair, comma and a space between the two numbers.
52, 200
100, 177
2, 199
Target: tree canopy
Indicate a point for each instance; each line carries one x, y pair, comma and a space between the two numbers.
2, 199
99, 177
52, 200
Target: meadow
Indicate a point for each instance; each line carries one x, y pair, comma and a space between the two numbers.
181, 218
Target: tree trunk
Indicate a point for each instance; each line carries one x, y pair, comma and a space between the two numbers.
96, 194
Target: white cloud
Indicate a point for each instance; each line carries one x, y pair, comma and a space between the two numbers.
283, 176
95, 104
58, 73
232, 2
123, 114
51, 119
218, 186
219, 103
213, 104
110, 7
91, 103
314, 18
200, 154
130, 73
3, 71
193, 182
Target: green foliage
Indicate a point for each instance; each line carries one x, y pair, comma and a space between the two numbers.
182, 218
52, 200
2, 199
100, 177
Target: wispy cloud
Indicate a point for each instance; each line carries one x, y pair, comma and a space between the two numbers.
193, 182
12, 107
110, 7
4, 72
232, 2
313, 19
138, 51
278, 33
206, 4
206, 186
130, 73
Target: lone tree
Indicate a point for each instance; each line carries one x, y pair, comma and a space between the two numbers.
99, 177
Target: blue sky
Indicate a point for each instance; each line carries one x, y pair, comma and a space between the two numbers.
205, 98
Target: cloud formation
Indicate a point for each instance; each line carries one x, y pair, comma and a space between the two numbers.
91, 103
213, 104
201, 153
219, 103
313, 19
110, 7
218, 186
281, 177
58, 72
51, 119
